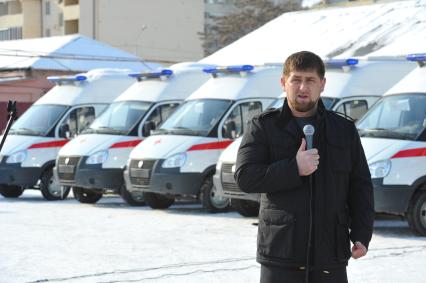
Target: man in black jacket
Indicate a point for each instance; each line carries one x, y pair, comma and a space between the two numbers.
315, 201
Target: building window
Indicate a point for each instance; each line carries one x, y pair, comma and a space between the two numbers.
11, 33
47, 8
47, 32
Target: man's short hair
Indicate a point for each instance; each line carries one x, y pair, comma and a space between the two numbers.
304, 61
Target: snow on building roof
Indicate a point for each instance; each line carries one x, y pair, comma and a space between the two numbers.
386, 29
67, 53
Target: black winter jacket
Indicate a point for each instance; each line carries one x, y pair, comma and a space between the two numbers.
342, 193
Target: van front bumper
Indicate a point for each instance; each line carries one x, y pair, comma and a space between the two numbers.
391, 198
15, 174
93, 176
165, 181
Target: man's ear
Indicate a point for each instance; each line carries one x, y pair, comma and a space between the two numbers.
323, 84
282, 80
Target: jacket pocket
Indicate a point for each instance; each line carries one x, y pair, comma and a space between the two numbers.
343, 247
276, 233
339, 154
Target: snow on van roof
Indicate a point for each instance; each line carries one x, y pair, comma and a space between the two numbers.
382, 29
67, 53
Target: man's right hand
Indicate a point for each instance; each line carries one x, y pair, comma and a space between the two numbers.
307, 160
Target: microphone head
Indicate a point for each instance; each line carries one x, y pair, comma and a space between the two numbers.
308, 130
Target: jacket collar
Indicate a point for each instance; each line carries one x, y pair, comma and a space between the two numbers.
286, 115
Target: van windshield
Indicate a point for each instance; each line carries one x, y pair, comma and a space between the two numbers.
195, 117
38, 120
396, 117
119, 118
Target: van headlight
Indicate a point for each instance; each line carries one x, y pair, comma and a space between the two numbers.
97, 157
380, 169
174, 161
17, 157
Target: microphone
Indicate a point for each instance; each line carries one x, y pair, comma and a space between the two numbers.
309, 131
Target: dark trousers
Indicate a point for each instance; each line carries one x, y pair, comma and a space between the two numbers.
274, 274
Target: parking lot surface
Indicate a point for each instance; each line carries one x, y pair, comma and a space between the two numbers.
66, 241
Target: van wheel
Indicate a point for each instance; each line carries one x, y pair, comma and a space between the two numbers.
132, 198
210, 199
157, 201
11, 191
416, 214
246, 208
86, 196
50, 187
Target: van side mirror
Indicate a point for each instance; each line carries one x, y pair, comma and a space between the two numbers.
64, 131
229, 130
148, 126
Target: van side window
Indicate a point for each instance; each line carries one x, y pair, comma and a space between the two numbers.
161, 113
77, 121
234, 125
354, 109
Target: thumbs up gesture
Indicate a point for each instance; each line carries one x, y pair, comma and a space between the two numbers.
307, 160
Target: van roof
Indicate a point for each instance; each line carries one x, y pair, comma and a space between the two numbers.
99, 86
185, 78
414, 82
262, 81
371, 76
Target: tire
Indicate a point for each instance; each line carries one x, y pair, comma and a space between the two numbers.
246, 208
416, 214
209, 199
157, 201
11, 191
50, 188
130, 198
86, 196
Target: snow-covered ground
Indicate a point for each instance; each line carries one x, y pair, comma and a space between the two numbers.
67, 241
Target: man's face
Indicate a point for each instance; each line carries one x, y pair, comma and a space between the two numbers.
303, 89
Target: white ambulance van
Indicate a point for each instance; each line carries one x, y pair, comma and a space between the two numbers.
353, 85
93, 163
179, 160
30, 151
393, 134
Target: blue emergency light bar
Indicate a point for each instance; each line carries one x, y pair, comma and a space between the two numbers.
416, 57
341, 62
229, 69
59, 79
151, 75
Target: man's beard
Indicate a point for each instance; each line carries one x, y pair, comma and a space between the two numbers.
303, 107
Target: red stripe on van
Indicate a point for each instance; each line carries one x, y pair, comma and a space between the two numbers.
211, 145
59, 143
415, 152
126, 144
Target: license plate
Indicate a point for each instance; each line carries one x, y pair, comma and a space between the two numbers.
228, 178
66, 168
140, 173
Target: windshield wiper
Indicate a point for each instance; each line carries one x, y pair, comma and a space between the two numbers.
27, 131
109, 130
186, 131
385, 133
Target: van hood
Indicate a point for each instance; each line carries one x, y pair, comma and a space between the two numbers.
377, 149
87, 144
15, 143
163, 146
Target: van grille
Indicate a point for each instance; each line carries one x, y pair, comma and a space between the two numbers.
66, 167
227, 178
140, 175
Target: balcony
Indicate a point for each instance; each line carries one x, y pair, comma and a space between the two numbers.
71, 12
